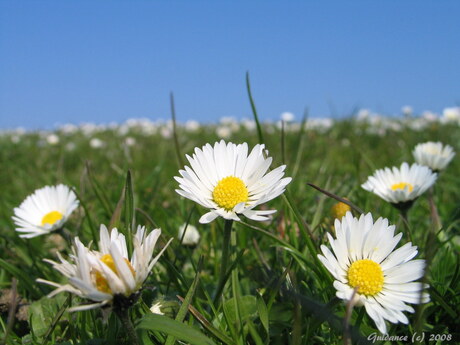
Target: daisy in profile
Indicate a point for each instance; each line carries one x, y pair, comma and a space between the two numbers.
46, 210
366, 265
436, 156
402, 186
108, 276
229, 182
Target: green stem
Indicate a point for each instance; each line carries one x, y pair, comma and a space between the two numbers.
434, 211
224, 259
236, 288
123, 315
406, 224
65, 234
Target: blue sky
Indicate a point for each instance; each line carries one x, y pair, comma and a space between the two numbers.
103, 61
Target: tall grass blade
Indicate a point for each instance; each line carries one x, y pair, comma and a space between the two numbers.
180, 160
129, 210
186, 302
254, 110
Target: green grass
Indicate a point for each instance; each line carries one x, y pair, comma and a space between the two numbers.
278, 293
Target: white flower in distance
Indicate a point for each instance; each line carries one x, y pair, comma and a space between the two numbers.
52, 139
402, 185
363, 258
46, 210
436, 156
96, 143
228, 181
287, 117
191, 236
103, 275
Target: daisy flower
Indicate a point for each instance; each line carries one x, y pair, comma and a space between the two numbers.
363, 259
436, 156
228, 181
46, 210
107, 275
402, 186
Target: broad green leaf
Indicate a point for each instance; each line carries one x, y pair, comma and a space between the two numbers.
263, 313
247, 306
179, 330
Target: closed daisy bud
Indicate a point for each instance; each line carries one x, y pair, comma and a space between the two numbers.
339, 209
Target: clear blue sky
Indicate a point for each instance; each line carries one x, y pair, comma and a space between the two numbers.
102, 61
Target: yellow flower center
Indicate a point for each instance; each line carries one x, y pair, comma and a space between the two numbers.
339, 210
402, 185
367, 275
101, 283
52, 217
229, 192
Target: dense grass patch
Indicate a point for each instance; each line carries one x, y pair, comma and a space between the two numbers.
280, 294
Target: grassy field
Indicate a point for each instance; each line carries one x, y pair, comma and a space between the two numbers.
277, 293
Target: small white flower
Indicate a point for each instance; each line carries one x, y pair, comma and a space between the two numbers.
287, 117
52, 139
249, 124
191, 237
15, 138
166, 132
400, 185
363, 258
436, 156
451, 114
96, 143
46, 210
101, 275
156, 308
130, 141
223, 132
68, 128
228, 181
192, 126
227, 120
407, 110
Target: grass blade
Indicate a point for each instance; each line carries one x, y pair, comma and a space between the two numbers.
98, 190
338, 198
254, 111
206, 324
186, 302
129, 210
180, 160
